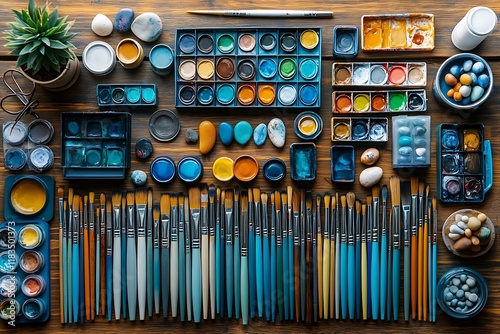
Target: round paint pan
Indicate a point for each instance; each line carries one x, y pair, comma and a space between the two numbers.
187, 43
308, 95
225, 68
190, 169
342, 131
33, 308
205, 43
8, 263
309, 39
14, 133
164, 125
130, 53
343, 103
9, 306
287, 68
40, 158
225, 94
187, 95
267, 42
162, 169
246, 42
205, 95
266, 94
379, 102
28, 196
9, 284
223, 169
361, 102
148, 95
416, 75
397, 101
99, 58
308, 125
361, 74
308, 69
246, 168
342, 75
33, 285
416, 101
397, 75
187, 69
246, 94
274, 170
246, 69
288, 42
118, 95
360, 130
268, 68
15, 159
378, 75
225, 43
7, 236
161, 58
205, 69
31, 261
287, 95
40, 131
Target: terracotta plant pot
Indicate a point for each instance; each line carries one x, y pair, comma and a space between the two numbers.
65, 80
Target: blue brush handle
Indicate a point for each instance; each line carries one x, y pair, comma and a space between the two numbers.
196, 283
244, 290
406, 282
267, 279
383, 276
124, 274
433, 283
237, 277
156, 279
357, 275
375, 280
251, 273
75, 273
258, 275
182, 276
131, 278
82, 283
229, 280
286, 294
279, 279
218, 285
369, 274
222, 263
273, 279
395, 283
303, 281
343, 279
149, 275
165, 279
351, 281
109, 284
189, 286
315, 282
65, 279
291, 279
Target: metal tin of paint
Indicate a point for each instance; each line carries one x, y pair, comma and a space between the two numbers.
14, 133
187, 69
225, 94
129, 53
40, 131
267, 42
246, 42
308, 69
33, 285
287, 68
9, 284
266, 94
190, 169
161, 58
31, 261
246, 94
15, 159
288, 42
33, 308
99, 58
308, 95
274, 170
308, 125
225, 43
205, 69
162, 169
223, 169
187, 43
309, 39
164, 125
246, 69
40, 158
7, 237
30, 236
27, 197
143, 148
268, 68
8, 307
246, 168
205, 43
187, 95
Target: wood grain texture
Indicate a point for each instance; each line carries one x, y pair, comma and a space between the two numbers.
81, 97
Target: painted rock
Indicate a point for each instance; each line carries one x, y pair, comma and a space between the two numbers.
260, 134
455, 70
405, 141
483, 232
102, 25
404, 131
404, 160
474, 77
123, 19
405, 150
467, 65
420, 130
139, 177
242, 132
420, 142
276, 131
477, 92
465, 90
421, 160
191, 136
370, 156
226, 133
478, 67
208, 135
420, 151
483, 80
370, 176
147, 27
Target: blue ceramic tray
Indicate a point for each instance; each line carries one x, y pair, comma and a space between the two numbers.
359, 129
248, 67
131, 95
345, 41
342, 163
303, 162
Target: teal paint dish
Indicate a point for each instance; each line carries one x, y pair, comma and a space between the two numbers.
8, 263
205, 95
225, 94
187, 43
274, 170
225, 43
94, 129
308, 95
308, 69
148, 95
303, 161
93, 157
162, 169
133, 95
246, 69
187, 95
114, 157
190, 169
287, 95
161, 58
33, 308
118, 95
345, 41
268, 68
104, 96
15, 159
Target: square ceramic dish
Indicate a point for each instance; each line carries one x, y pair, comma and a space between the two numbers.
342, 163
411, 141
303, 161
95, 145
394, 101
464, 163
359, 129
397, 32
131, 95
345, 41
248, 67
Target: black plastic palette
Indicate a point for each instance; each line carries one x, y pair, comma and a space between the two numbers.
95, 145
356, 129
29, 290
465, 167
126, 95
394, 101
248, 67
342, 163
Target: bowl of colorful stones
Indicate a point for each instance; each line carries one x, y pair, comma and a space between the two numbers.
468, 233
463, 82
462, 293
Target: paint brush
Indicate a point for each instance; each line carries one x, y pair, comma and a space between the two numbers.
212, 259
434, 261
81, 271
222, 259
149, 254
296, 250
244, 258
375, 260
308, 263
279, 256
413, 244
218, 280
76, 258
325, 271
251, 256
274, 286
204, 249
369, 223
131, 257
319, 257
86, 256
141, 201
156, 256
284, 243
266, 256
194, 203
427, 250
92, 260
174, 253
315, 287
97, 276
343, 259
116, 199
70, 255
182, 259
406, 206
124, 254
351, 279
64, 268
276, 13
335, 254
303, 254
258, 252
364, 264
189, 278
109, 257
165, 250
103, 252
396, 230
383, 254
60, 197
228, 209
357, 255
420, 247
237, 253
291, 292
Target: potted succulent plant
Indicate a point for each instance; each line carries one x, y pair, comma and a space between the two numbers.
41, 41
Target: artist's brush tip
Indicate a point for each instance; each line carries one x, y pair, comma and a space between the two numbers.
363, 209
194, 197
76, 202
358, 205
228, 201
91, 197
165, 203
141, 196
102, 199
277, 200
156, 211
174, 199
263, 197
116, 198
427, 190
60, 192
376, 190
343, 200
256, 194
369, 200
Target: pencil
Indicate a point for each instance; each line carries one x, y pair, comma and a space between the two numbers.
266, 13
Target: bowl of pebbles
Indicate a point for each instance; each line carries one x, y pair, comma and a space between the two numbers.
468, 233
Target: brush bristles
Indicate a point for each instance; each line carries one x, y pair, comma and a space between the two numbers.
244, 202
351, 198
217, 193
250, 195
327, 200
174, 199
65, 203
86, 199
434, 203
211, 193
228, 201
277, 200
102, 199
263, 198
384, 192
165, 203
343, 200
289, 194
395, 190
369, 200
108, 206
363, 209
318, 199
308, 200
141, 196
284, 198
236, 193
376, 190
156, 211
256, 194
194, 197
414, 184
296, 200
91, 197
130, 198
70, 196
204, 195
181, 198
334, 202
358, 205
76, 202
116, 198
421, 187
124, 201
60, 192
272, 198
427, 191
150, 197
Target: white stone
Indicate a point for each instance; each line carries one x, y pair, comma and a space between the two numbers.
276, 131
462, 225
370, 176
147, 27
456, 229
458, 217
454, 236
465, 218
102, 25
420, 151
465, 90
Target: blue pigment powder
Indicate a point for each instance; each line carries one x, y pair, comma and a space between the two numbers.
268, 68
449, 139
72, 128
31, 310
189, 170
162, 170
115, 157
303, 164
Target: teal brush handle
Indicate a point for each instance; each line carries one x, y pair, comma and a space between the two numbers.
218, 285
124, 274
109, 285
174, 277
117, 271
149, 275
75, 272
273, 279
389, 287
229, 280
357, 280
286, 294
182, 276
395, 283
279, 264
383, 276
343, 279
433, 283
291, 279
237, 278
165, 279
65, 279
131, 278
244, 289
351, 281
156, 279
258, 275
141, 276
267, 279
406, 282
251, 278
189, 285
303, 281
375, 280
196, 284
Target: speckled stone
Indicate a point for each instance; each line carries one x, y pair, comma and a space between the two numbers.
260, 134
139, 177
147, 27
191, 136
123, 19
226, 133
242, 132
276, 131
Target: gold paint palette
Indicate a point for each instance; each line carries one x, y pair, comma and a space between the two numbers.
29, 196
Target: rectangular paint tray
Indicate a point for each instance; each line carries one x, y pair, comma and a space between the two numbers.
397, 32
130, 95
303, 161
393, 101
359, 129
411, 141
342, 163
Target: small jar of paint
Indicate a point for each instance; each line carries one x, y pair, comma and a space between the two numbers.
246, 168
473, 28
15, 159
223, 169
8, 262
99, 58
33, 285
33, 308
40, 158
130, 53
14, 133
161, 58
308, 125
9, 284
190, 169
40, 131
162, 169
31, 261
30, 236
9, 307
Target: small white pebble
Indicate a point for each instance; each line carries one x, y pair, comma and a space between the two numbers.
458, 217
467, 294
462, 225
465, 218
473, 297
455, 282
465, 287
463, 278
471, 282
454, 236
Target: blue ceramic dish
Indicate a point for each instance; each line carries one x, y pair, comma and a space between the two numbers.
162, 169
190, 169
345, 41
274, 170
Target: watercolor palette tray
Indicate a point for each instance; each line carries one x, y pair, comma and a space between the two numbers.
130, 95
24, 282
397, 32
342, 163
413, 74
95, 145
248, 67
303, 161
464, 161
357, 129
344, 102
411, 138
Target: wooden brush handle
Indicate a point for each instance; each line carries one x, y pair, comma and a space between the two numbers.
103, 274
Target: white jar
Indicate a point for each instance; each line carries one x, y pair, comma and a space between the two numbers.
478, 23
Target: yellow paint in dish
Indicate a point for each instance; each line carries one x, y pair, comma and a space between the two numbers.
309, 39
372, 35
266, 94
223, 169
127, 51
28, 196
30, 236
398, 34
206, 69
361, 103
246, 94
308, 125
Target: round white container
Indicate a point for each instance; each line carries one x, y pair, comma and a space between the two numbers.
474, 27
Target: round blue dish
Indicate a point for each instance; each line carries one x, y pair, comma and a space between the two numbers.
162, 169
190, 169
274, 170
311, 118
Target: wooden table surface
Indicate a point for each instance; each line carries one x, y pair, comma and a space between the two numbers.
81, 97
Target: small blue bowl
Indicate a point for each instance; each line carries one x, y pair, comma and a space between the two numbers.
162, 169
345, 41
274, 170
190, 169
308, 125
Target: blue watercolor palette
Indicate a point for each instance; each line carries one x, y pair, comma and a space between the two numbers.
464, 163
248, 67
95, 145
393, 101
303, 162
365, 129
342, 163
37, 309
345, 41
131, 95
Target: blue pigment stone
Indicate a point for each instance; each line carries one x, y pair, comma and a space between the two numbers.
404, 160
449, 139
478, 67
455, 70
260, 134
139, 177
243, 132
226, 133
483, 80
405, 141
191, 136
405, 150
123, 19
467, 65
421, 160
473, 77
477, 92
420, 130
404, 131
15, 159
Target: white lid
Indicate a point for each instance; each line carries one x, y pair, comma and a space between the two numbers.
99, 58
481, 20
